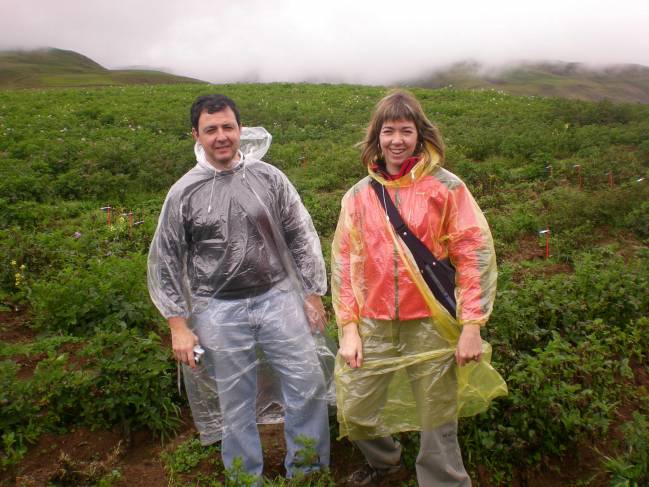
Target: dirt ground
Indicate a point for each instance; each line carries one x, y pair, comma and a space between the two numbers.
71, 457
61, 457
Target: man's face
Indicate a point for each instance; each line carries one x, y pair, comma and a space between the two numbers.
219, 134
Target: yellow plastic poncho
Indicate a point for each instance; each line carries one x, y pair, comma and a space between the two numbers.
409, 379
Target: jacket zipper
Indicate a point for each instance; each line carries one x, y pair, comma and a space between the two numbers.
395, 258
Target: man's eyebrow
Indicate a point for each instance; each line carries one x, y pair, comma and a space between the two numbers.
226, 124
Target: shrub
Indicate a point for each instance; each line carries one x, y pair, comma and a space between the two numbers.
108, 294
121, 378
132, 383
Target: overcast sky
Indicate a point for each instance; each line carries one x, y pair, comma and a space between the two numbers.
362, 41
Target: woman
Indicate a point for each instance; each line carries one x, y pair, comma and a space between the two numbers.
405, 361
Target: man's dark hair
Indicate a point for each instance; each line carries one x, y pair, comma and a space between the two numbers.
212, 104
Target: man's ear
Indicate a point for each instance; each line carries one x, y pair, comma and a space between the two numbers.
195, 134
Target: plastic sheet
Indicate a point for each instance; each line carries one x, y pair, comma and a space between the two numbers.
255, 142
235, 253
409, 379
244, 387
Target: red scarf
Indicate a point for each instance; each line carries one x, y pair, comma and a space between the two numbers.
407, 165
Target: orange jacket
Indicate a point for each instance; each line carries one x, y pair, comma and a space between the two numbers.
369, 278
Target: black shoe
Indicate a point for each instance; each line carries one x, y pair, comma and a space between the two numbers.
368, 475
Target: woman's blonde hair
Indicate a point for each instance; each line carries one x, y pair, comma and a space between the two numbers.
399, 105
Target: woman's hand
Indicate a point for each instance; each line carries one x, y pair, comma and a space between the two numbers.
469, 346
351, 346
182, 341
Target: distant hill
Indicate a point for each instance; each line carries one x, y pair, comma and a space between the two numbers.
48, 68
622, 83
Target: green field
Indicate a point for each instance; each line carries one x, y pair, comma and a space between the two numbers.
56, 68
81, 343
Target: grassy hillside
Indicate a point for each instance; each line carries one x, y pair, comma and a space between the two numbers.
49, 68
622, 83
81, 346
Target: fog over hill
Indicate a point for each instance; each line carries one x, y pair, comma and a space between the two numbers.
619, 82
51, 67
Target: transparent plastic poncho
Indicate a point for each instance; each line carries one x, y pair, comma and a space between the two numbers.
235, 253
409, 379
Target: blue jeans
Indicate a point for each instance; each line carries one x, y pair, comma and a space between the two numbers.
234, 334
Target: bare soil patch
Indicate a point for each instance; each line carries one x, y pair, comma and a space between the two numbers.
14, 329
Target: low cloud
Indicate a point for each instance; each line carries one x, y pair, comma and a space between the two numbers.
371, 42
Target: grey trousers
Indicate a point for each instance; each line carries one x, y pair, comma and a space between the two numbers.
439, 462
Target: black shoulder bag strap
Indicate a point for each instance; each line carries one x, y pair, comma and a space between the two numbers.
438, 274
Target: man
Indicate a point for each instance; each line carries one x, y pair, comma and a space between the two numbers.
236, 267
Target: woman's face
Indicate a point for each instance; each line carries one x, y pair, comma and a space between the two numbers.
398, 141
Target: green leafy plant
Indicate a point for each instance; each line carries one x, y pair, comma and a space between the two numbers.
631, 467
132, 383
186, 457
236, 476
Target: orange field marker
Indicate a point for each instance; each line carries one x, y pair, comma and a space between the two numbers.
107, 210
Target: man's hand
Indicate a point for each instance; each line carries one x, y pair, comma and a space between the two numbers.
351, 346
183, 341
469, 346
315, 312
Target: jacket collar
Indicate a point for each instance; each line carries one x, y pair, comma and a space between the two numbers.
406, 166
428, 162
